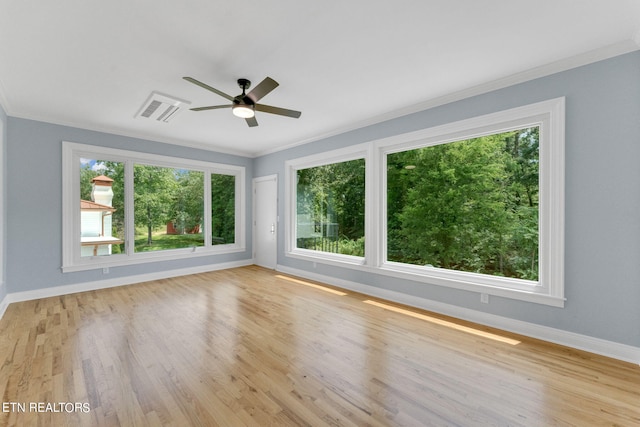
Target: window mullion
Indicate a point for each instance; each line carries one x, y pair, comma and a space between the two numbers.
373, 199
206, 226
129, 227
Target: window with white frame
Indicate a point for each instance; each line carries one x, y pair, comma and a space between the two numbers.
475, 205
2, 204
328, 206
123, 207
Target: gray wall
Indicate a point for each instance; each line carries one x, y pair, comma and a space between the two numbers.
34, 204
3, 204
602, 202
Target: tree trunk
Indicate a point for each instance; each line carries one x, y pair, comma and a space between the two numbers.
149, 226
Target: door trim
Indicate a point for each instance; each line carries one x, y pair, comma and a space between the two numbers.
254, 181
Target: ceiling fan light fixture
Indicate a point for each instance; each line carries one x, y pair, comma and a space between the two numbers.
245, 104
244, 111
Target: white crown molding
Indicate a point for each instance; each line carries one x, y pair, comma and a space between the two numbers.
599, 346
576, 61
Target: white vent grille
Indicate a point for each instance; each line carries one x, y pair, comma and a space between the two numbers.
161, 107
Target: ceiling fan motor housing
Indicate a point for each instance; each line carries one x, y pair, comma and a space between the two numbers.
244, 84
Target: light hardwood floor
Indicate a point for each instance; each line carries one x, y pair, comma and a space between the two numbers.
252, 347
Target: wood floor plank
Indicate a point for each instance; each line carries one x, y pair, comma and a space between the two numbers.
252, 347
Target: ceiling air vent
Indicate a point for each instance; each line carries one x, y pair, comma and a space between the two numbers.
161, 107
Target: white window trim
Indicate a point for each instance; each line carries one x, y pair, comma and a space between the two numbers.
71, 259
2, 204
549, 289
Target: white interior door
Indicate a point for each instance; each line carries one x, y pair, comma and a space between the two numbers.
265, 221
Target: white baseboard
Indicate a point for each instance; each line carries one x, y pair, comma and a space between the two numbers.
116, 281
599, 346
3, 305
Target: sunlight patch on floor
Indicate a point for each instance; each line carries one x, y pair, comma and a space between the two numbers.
441, 322
313, 285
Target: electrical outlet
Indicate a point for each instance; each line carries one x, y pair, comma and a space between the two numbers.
105, 270
484, 298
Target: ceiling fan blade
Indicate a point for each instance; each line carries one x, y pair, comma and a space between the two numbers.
210, 107
277, 110
263, 88
207, 87
251, 121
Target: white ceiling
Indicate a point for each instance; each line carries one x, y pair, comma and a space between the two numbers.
344, 64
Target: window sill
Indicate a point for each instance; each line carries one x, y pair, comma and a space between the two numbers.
523, 290
338, 260
516, 289
95, 263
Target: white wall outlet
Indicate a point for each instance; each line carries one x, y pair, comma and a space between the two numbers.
105, 270
484, 298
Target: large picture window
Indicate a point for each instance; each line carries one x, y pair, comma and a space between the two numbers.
476, 205
129, 207
2, 205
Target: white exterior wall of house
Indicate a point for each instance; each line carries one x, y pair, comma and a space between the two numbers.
91, 226
97, 223
108, 218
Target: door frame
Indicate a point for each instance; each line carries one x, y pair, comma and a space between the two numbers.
254, 181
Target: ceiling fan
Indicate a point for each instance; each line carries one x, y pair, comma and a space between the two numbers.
246, 104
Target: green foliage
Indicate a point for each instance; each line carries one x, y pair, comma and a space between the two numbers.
351, 247
162, 241
223, 201
330, 203
163, 195
467, 205
154, 190
341, 246
187, 208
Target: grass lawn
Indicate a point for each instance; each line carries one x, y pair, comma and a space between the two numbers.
162, 241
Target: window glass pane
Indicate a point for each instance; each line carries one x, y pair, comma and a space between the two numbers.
223, 209
168, 208
330, 208
101, 207
468, 205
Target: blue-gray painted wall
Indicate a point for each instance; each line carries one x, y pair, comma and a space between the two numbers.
602, 233
34, 204
602, 198
3, 192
